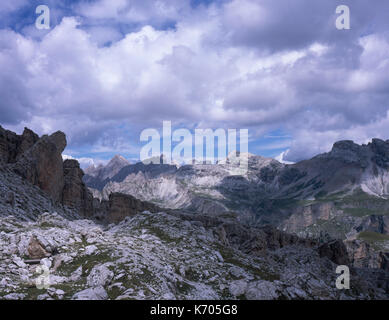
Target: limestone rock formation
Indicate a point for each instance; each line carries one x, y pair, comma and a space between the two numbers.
336, 251
363, 255
12, 146
39, 161
42, 164
143, 252
119, 206
75, 194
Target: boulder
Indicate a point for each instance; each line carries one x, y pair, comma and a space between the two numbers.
36, 250
98, 293
100, 276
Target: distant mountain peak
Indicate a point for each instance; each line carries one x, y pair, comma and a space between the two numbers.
101, 172
118, 159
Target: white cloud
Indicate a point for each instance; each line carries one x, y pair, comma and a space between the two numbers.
281, 157
86, 162
221, 66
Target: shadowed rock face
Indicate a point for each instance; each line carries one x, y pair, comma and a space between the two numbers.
336, 251
42, 164
39, 161
75, 194
12, 146
121, 206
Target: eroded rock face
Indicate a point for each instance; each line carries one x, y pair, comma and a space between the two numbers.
362, 255
121, 206
305, 216
336, 251
12, 146
75, 194
375, 223
42, 164
39, 161
28, 139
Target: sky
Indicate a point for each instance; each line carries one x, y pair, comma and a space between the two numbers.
108, 69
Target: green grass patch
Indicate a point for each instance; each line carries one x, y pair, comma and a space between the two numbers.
229, 257
162, 235
369, 236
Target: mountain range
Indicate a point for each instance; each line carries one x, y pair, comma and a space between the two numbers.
158, 231
341, 194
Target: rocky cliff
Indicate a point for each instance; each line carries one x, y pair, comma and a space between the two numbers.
119, 206
39, 161
75, 194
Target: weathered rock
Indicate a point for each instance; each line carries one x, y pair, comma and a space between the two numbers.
42, 164
336, 251
362, 255
98, 293
375, 223
12, 146
100, 276
36, 250
90, 250
262, 290
76, 275
28, 139
238, 288
121, 206
75, 194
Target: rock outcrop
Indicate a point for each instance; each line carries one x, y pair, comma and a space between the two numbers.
42, 164
39, 161
336, 251
12, 146
363, 255
75, 194
119, 206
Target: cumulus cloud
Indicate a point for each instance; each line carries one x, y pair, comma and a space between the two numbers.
113, 68
86, 162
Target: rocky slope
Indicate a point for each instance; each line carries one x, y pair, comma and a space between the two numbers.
162, 256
